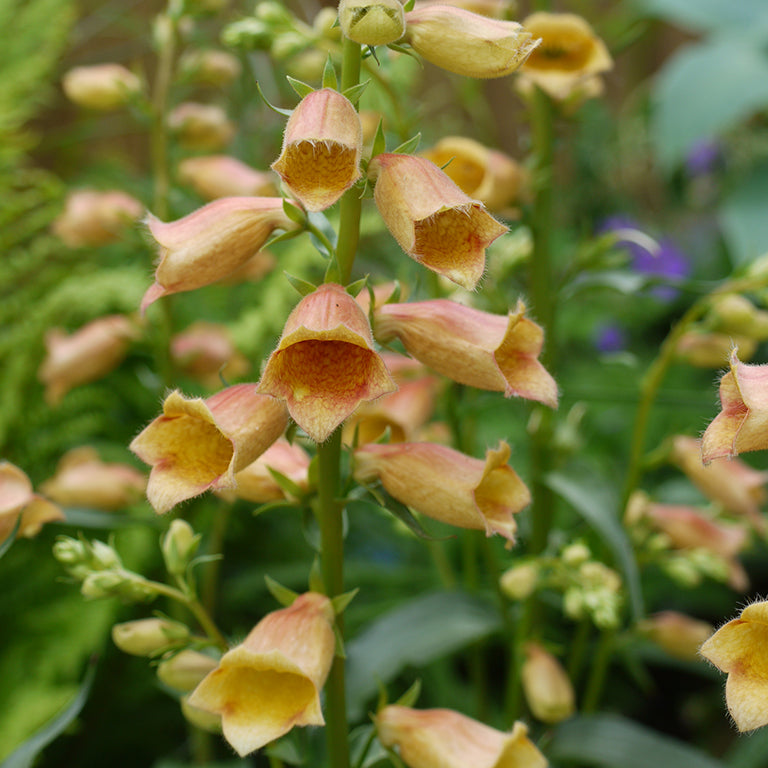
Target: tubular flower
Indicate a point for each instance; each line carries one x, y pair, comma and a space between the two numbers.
271, 681
212, 242
472, 347
742, 424
202, 127
447, 485
17, 498
82, 479
101, 86
323, 141
739, 488
569, 56
200, 444
546, 685
484, 174
433, 221
91, 217
215, 176
441, 737
738, 648
325, 364
679, 635
467, 43
86, 355
372, 22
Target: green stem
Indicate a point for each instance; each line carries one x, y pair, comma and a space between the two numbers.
513, 701
598, 672
578, 649
210, 577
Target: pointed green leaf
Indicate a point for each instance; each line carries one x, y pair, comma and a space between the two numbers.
302, 89
408, 146
329, 75
282, 237
379, 140
282, 594
356, 91
408, 5
340, 602
286, 484
272, 505
304, 287
280, 111
294, 213
316, 577
406, 50
332, 272
353, 289
411, 696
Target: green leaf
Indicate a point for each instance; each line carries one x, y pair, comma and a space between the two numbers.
329, 75
686, 110
379, 140
302, 89
94, 518
356, 91
280, 111
749, 750
286, 484
744, 16
25, 755
611, 741
408, 146
411, 696
294, 213
8, 542
427, 628
282, 594
743, 216
597, 503
340, 602
304, 287
353, 289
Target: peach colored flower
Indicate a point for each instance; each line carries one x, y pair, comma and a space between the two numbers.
742, 424
215, 176
271, 682
467, 43
198, 444
433, 221
321, 152
100, 86
472, 347
707, 349
325, 363
18, 498
739, 648
91, 217
82, 479
447, 485
201, 127
679, 635
86, 355
205, 352
547, 687
429, 738
212, 242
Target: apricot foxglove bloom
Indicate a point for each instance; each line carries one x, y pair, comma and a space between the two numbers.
467, 43
323, 142
212, 242
472, 347
86, 355
447, 485
215, 176
569, 56
676, 633
325, 363
433, 221
271, 682
428, 738
546, 685
198, 444
100, 86
742, 424
372, 22
201, 127
92, 217
18, 498
739, 648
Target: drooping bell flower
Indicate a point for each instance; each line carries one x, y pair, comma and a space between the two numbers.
738, 648
212, 242
427, 738
546, 685
372, 22
323, 142
467, 43
93, 217
742, 424
325, 363
101, 86
197, 444
271, 682
449, 486
18, 499
433, 221
215, 176
201, 127
676, 633
472, 347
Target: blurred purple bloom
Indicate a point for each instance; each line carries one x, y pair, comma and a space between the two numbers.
703, 157
610, 338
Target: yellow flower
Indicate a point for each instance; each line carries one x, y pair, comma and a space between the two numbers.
198, 444
570, 54
467, 43
447, 485
271, 682
546, 685
739, 648
372, 22
434, 222
325, 363
17, 498
432, 738
472, 347
321, 152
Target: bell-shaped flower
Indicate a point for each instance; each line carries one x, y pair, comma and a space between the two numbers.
472, 347
466, 43
738, 648
372, 22
18, 498
82, 479
742, 424
271, 682
546, 685
92, 217
322, 145
487, 175
205, 352
212, 242
207, 66
448, 486
100, 86
433, 221
711, 349
735, 485
427, 738
201, 127
84, 356
676, 633
325, 363
569, 56
199, 444
215, 176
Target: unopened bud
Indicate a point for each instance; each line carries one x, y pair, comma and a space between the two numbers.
372, 22
679, 635
99, 584
575, 554
547, 689
250, 34
184, 671
103, 557
210, 67
69, 551
102, 86
146, 637
201, 126
519, 582
179, 546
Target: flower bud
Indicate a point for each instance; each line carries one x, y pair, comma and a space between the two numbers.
148, 637
101, 86
201, 127
179, 546
519, 582
575, 554
100, 584
184, 670
91, 217
711, 350
546, 685
205, 352
372, 22
679, 635
69, 551
210, 67
103, 557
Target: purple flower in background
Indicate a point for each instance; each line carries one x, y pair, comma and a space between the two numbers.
663, 258
610, 338
703, 157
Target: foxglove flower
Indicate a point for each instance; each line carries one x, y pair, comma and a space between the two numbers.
18, 499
